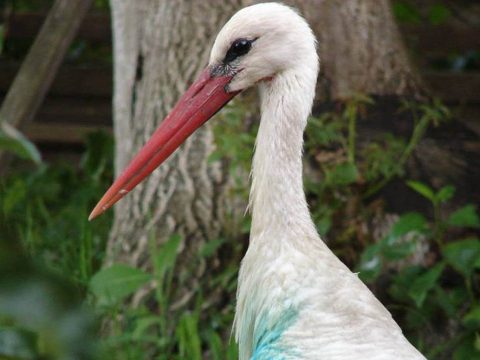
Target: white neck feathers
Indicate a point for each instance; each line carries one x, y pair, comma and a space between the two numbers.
277, 198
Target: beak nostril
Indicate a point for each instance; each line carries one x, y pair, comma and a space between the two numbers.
199, 89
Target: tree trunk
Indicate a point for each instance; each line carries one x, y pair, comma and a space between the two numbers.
360, 49
159, 48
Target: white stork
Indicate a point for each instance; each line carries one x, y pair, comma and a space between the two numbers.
295, 298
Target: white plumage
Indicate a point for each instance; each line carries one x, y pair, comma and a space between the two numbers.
295, 299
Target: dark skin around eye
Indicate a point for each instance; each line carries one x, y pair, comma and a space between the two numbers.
238, 48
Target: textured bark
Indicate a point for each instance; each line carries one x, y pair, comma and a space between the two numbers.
360, 48
159, 48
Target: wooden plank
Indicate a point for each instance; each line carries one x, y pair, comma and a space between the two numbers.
454, 88
70, 80
441, 39
61, 133
38, 69
95, 27
92, 111
79, 111
68, 153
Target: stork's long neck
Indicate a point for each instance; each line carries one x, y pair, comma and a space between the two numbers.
277, 197
280, 216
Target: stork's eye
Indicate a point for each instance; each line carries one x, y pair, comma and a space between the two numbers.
239, 47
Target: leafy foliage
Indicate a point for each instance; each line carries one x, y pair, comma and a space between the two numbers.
428, 266
114, 284
444, 291
46, 208
157, 331
405, 12
438, 14
465, 217
408, 12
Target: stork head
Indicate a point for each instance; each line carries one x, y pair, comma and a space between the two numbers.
261, 41
258, 43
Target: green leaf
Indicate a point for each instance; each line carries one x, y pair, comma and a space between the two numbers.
465, 217
231, 351
445, 193
101, 4
438, 14
422, 189
17, 344
451, 300
408, 222
424, 283
323, 131
323, 225
400, 250
406, 13
401, 283
210, 247
468, 349
188, 337
13, 141
215, 346
13, 195
215, 156
397, 245
463, 256
344, 174
143, 324
166, 257
113, 284
472, 318
98, 154
370, 263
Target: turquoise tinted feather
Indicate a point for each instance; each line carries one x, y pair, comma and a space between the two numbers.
268, 334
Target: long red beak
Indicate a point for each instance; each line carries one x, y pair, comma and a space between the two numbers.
202, 100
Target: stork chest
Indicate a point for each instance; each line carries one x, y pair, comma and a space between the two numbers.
269, 299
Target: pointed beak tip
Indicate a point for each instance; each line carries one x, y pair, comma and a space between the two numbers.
92, 216
95, 213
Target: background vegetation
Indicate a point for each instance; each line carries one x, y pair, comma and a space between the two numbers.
57, 302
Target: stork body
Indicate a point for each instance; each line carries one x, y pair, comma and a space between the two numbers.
295, 298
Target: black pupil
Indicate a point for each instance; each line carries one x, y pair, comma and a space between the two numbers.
239, 47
